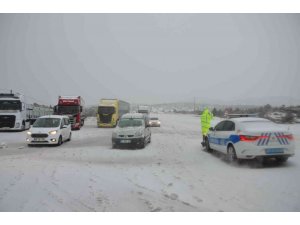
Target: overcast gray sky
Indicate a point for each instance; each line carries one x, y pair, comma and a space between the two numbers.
151, 58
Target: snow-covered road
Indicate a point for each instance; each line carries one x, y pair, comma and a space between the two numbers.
170, 174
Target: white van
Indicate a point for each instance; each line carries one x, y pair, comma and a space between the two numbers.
53, 130
133, 129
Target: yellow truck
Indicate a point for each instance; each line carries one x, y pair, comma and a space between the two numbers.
110, 111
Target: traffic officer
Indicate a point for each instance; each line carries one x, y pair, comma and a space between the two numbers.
206, 118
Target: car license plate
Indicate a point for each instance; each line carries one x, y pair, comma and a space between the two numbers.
39, 139
274, 150
125, 141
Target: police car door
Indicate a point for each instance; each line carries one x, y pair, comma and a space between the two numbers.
227, 131
214, 136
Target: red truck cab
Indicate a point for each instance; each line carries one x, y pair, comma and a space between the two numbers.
73, 107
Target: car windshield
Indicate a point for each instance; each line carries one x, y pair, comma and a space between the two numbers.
10, 105
130, 123
47, 122
153, 118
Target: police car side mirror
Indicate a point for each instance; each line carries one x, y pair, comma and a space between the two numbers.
211, 129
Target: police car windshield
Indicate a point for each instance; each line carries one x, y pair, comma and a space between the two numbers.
46, 122
130, 123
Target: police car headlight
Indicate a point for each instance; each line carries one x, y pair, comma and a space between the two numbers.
29, 133
53, 132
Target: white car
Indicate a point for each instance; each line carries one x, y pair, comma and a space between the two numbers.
53, 130
133, 129
249, 138
154, 122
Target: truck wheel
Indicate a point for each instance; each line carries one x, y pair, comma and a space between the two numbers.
23, 126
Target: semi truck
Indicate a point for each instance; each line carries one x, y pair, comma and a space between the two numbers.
110, 111
17, 114
74, 108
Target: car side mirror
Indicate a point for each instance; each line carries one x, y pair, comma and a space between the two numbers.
211, 129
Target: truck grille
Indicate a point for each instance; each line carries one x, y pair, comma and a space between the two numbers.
7, 121
105, 118
39, 135
72, 120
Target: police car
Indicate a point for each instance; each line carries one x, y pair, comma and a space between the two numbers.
250, 138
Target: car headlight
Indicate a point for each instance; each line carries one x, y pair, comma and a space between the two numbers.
28, 132
53, 132
139, 133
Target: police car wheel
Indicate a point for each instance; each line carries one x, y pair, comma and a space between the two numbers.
231, 155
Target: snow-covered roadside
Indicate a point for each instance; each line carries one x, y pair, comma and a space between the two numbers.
170, 174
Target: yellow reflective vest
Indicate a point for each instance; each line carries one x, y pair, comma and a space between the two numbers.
206, 118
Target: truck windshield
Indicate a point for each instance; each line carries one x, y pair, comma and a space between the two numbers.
47, 122
68, 109
106, 110
10, 105
130, 123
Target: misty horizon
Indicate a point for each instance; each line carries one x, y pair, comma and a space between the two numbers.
152, 58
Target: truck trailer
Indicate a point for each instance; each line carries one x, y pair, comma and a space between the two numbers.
110, 111
17, 114
74, 108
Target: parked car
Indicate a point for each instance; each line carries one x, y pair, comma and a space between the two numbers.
250, 138
133, 129
52, 130
154, 122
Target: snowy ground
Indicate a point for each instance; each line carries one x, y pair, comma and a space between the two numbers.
170, 174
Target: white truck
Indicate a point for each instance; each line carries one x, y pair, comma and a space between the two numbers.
17, 114
144, 109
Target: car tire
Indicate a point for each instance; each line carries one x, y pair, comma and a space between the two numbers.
282, 159
143, 144
70, 136
231, 154
59, 141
